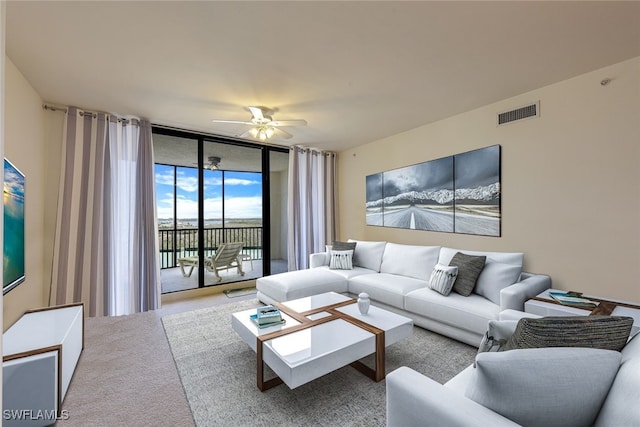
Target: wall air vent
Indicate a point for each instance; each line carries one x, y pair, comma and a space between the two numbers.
526, 112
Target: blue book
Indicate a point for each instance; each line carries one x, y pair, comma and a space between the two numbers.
268, 314
254, 318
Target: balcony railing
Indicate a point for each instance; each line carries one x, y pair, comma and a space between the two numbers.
183, 242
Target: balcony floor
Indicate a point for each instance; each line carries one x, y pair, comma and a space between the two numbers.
173, 280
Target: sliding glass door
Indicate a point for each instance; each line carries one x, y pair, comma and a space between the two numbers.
232, 210
221, 209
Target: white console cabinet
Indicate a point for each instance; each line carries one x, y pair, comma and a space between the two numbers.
39, 355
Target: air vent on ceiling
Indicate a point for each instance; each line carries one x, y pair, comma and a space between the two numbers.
526, 112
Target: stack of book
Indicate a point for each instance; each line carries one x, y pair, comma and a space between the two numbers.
267, 316
571, 298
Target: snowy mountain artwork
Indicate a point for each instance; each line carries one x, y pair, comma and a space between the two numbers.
455, 194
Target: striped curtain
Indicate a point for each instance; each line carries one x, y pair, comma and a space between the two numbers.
311, 204
106, 245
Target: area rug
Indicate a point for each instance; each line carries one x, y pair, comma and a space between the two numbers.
218, 373
233, 293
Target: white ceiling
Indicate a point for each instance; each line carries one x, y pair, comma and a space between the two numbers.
356, 71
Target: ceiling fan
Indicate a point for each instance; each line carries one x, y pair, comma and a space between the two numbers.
263, 125
214, 163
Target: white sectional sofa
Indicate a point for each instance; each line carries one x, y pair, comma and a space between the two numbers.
396, 277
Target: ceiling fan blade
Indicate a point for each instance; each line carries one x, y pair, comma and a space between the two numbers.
282, 134
288, 123
256, 112
238, 122
246, 134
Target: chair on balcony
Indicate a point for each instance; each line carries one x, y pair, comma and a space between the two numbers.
190, 262
227, 256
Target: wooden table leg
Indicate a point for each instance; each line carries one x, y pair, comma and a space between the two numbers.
262, 384
379, 372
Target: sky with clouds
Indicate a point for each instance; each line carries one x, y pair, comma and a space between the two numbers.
242, 193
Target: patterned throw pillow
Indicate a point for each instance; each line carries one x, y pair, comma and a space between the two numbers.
603, 332
442, 278
341, 260
497, 335
469, 268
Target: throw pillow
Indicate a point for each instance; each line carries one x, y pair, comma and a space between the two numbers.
498, 332
341, 260
343, 246
327, 256
567, 385
442, 278
469, 268
604, 332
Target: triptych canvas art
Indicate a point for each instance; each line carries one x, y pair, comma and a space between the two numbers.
455, 194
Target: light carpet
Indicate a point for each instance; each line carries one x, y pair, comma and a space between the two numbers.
218, 373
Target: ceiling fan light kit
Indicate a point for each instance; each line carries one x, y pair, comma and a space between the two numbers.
214, 163
264, 127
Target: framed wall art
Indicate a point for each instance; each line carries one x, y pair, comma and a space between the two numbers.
455, 194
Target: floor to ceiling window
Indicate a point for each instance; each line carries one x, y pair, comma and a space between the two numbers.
221, 209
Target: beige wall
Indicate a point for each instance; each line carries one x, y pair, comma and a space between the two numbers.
25, 148
570, 180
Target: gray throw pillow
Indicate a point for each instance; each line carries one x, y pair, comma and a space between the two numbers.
604, 332
343, 246
469, 268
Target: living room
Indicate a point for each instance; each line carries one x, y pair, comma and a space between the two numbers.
569, 178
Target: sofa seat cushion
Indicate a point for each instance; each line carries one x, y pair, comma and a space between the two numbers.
347, 274
301, 283
409, 261
387, 288
469, 313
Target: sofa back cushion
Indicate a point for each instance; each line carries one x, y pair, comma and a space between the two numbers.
368, 254
616, 410
501, 269
410, 261
545, 386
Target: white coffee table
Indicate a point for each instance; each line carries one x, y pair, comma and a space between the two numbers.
322, 333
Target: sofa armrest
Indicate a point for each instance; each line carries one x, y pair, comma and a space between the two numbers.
513, 297
318, 259
415, 400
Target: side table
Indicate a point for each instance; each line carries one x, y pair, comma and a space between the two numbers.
543, 305
39, 356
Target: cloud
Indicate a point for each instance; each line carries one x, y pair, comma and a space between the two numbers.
235, 207
238, 181
185, 183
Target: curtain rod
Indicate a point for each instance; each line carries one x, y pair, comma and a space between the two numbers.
64, 109
84, 112
315, 151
